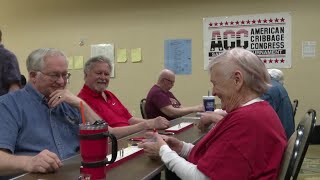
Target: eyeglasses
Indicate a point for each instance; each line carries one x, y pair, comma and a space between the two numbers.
172, 82
56, 76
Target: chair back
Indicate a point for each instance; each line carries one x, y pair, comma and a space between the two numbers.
295, 107
297, 147
142, 108
285, 171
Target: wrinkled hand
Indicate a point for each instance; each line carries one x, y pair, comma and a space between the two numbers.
174, 143
199, 108
152, 145
159, 123
220, 112
44, 162
208, 118
59, 96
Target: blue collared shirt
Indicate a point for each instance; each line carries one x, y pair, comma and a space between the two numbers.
28, 125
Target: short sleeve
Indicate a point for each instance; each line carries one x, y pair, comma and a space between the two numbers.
9, 127
161, 100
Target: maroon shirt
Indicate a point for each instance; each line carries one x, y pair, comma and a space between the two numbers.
247, 144
112, 111
157, 99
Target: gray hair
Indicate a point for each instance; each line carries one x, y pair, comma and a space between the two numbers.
277, 75
92, 61
255, 74
36, 59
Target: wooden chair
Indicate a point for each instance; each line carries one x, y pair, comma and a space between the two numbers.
297, 147
142, 108
295, 107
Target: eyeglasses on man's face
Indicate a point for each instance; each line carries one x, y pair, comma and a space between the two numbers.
172, 82
56, 76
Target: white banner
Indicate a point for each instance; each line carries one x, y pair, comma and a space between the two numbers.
266, 35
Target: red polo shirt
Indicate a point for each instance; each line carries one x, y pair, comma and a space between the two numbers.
112, 110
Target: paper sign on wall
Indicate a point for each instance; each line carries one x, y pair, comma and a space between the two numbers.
104, 50
266, 35
78, 62
122, 55
136, 55
70, 62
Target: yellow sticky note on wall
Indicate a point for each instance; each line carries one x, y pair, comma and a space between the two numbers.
136, 55
78, 62
70, 62
122, 55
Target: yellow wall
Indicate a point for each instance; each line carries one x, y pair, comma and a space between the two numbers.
31, 24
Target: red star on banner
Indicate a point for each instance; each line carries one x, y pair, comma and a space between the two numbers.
237, 22
270, 20
265, 21
259, 20
248, 22
282, 60
276, 61
265, 61
282, 19
232, 22
242, 22
276, 20
226, 23
215, 24
253, 21
270, 61
221, 23
210, 24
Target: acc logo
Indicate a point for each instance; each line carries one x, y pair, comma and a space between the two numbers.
235, 40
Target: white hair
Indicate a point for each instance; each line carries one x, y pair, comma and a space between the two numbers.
277, 75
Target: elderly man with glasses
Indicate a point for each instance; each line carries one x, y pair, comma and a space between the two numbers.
161, 102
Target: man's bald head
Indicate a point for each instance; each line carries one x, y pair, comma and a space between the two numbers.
166, 79
166, 73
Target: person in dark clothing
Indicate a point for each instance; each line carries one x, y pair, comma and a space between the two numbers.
9, 70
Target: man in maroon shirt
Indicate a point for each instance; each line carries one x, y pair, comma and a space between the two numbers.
161, 102
97, 76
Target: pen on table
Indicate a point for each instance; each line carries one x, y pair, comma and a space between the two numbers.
137, 139
166, 133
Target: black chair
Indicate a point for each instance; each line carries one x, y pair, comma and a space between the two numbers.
295, 107
315, 137
297, 147
142, 108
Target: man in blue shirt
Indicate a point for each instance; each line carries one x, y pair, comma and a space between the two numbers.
278, 98
40, 123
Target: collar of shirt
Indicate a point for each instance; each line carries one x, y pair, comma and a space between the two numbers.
36, 94
92, 93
